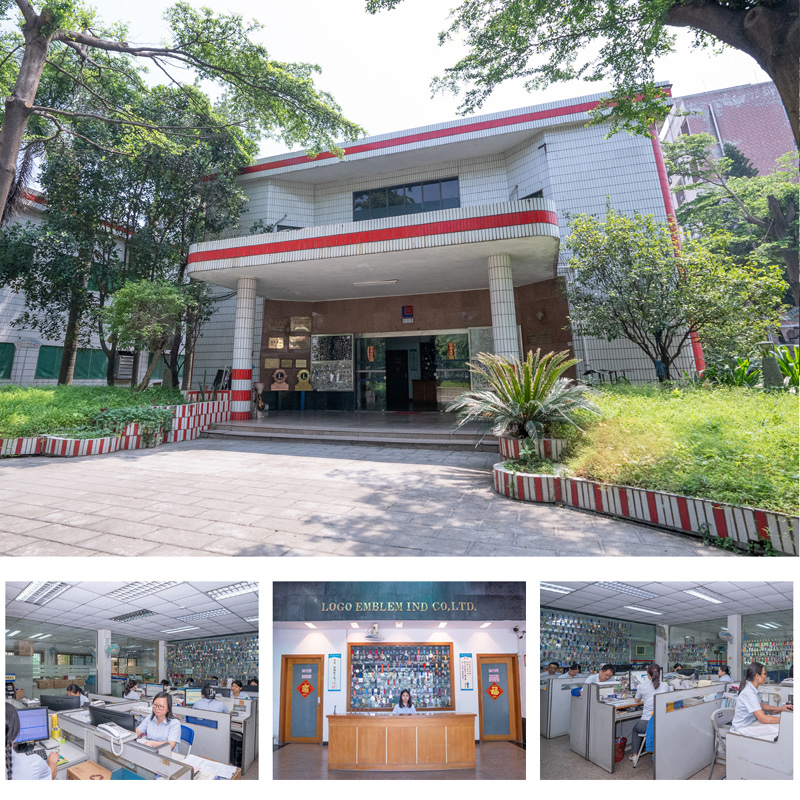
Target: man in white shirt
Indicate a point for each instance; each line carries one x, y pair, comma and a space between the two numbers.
606, 673
552, 670
572, 672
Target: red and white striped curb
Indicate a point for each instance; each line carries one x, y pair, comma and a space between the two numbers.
60, 446
662, 509
545, 448
21, 446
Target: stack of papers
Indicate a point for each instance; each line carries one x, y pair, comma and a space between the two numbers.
211, 768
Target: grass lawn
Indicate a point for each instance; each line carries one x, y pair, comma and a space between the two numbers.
62, 409
734, 445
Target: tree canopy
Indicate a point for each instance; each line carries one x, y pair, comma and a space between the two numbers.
547, 42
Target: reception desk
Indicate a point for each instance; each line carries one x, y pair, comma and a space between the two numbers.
383, 741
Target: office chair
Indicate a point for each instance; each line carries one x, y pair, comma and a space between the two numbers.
643, 742
185, 744
721, 719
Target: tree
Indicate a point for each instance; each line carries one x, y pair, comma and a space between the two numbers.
758, 213
64, 49
741, 166
143, 316
611, 40
627, 282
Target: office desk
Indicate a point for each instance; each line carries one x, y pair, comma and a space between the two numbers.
244, 720
759, 759
384, 741
607, 722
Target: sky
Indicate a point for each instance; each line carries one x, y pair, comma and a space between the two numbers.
379, 67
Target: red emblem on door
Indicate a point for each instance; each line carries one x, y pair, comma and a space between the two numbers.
494, 691
305, 688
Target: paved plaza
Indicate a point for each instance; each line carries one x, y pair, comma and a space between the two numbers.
241, 498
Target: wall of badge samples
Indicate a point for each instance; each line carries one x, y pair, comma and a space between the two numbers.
709, 653
771, 652
224, 656
378, 673
591, 641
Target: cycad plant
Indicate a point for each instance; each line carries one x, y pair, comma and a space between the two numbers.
523, 397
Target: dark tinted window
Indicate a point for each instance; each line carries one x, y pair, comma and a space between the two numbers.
411, 198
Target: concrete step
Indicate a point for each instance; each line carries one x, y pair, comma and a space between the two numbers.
406, 440
395, 432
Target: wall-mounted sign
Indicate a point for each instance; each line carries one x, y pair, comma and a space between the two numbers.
299, 343
303, 384
465, 666
300, 324
279, 381
271, 363
451, 350
408, 315
275, 343
334, 672
371, 353
400, 605
286, 363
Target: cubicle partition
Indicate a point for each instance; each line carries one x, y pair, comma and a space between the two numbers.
608, 721
760, 759
555, 705
684, 737
579, 723
212, 731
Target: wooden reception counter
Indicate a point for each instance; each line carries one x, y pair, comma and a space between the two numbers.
384, 741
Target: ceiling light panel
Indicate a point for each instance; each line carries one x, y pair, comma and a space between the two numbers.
41, 592
705, 594
645, 610
133, 615
181, 630
251, 619
133, 591
554, 587
232, 591
614, 586
217, 612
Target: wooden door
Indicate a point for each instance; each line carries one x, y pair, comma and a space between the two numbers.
498, 690
301, 699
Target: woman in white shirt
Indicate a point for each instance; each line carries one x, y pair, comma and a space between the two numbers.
162, 725
208, 702
405, 706
73, 690
130, 690
25, 766
749, 708
647, 691
724, 675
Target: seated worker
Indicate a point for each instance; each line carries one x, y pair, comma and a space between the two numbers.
552, 669
165, 685
605, 674
252, 682
749, 708
724, 675
405, 706
647, 691
25, 766
208, 702
236, 691
73, 690
161, 725
574, 669
131, 691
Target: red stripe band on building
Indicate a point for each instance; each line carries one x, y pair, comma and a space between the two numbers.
380, 235
241, 374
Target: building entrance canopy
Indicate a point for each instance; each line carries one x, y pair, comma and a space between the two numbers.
439, 251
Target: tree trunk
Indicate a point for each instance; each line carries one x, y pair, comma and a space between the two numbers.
112, 363
150, 370
770, 34
22, 98
188, 364
792, 261
135, 368
173, 363
72, 334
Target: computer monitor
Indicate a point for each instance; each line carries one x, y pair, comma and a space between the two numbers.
99, 716
192, 696
223, 692
637, 677
60, 702
253, 690
32, 725
688, 672
153, 689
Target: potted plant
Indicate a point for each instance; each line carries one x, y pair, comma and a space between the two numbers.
523, 400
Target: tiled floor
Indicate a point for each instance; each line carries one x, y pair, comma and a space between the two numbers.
558, 762
217, 497
493, 761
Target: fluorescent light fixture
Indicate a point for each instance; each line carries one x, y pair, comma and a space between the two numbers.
377, 283
133, 591
217, 612
251, 619
771, 625
46, 636
310, 625
615, 586
233, 590
554, 587
353, 624
181, 630
705, 594
398, 624
133, 615
644, 610
36, 635
486, 624
41, 592
442, 624
13, 633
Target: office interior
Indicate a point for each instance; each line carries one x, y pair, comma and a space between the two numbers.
99, 636
344, 652
586, 731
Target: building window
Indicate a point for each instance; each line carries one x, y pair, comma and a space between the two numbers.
6, 359
89, 364
533, 195
411, 198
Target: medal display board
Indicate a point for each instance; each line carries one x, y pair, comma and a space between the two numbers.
379, 672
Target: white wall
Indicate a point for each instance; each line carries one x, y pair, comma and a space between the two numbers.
322, 642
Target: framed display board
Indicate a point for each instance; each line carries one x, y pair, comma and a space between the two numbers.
378, 671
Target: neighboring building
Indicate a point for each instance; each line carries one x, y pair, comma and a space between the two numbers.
418, 250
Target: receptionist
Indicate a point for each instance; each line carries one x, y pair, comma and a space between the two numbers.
208, 702
605, 674
405, 706
131, 690
161, 725
25, 766
749, 708
73, 690
574, 669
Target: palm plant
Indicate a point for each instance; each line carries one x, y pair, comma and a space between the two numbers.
523, 397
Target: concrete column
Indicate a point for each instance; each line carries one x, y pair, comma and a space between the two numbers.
161, 663
103, 663
242, 365
661, 651
504, 315
735, 646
